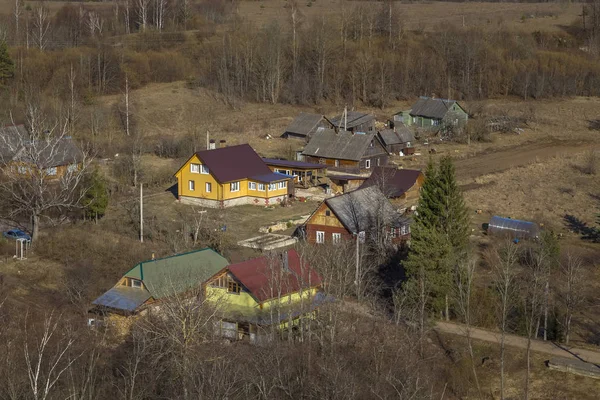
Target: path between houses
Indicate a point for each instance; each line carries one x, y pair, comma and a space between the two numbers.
539, 346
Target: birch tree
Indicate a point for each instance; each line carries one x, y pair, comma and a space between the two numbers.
573, 284
40, 26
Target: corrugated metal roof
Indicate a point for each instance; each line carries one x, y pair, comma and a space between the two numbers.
293, 164
123, 298
431, 108
304, 124
343, 145
271, 177
266, 277
354, 118
394, 182
178, 273
233, 163
361, 209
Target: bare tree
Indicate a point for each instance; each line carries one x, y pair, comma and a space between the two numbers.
142, 7
41, 26
573, 281
31, 182
504, 260
17, 12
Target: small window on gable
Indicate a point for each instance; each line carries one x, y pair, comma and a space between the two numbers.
328, 213
233, 287
136, 284
195, 168
204, 169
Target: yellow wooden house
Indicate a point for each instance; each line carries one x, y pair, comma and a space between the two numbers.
231, 176
265, 295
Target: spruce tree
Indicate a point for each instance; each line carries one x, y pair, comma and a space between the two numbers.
454, 216
7, 66
95, 200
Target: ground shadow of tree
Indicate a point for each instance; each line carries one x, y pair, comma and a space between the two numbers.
594, 124
580, 227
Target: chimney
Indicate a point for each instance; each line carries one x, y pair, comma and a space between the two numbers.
285, 261
222, 143
212, 145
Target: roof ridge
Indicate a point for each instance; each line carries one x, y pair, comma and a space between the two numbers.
177, 255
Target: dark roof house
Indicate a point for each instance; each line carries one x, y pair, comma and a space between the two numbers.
397, 139
430, 112
303, 126
354, 121
432, 107
394, 182
161, 278
342, 145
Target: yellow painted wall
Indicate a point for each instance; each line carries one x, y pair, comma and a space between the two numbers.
219, 191
246, 300
320, 217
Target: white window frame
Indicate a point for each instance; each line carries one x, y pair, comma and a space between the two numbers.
320, 237
234, 187
393, 232
336, 238
336, 163
191, 185
136, 284
204, 169
195, 168
368, 164
208, 187
272, 186
52, 171
404, 230
72, 168
261, 187
282, 185
251, 185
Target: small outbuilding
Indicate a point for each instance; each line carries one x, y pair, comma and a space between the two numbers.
304, 126
513, 228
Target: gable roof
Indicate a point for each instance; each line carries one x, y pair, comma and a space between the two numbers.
293, 164
343, 145
396, 181
304, 124
123, 298
401, 135
266, 277
353, 119
16, 144
432, 108
359, 210
233, 163
178, 273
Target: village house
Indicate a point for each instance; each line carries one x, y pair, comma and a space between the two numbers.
433, 113
153, 280
399, 140
231, 176
305, 174
354, 121
401, 186
304, 126
264, 295
51, 158
366, 212
346, 151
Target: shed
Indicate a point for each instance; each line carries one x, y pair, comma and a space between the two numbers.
303, 126
354, 121
513, 228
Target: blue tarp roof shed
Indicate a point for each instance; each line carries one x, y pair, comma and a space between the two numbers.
513, 227
123, 298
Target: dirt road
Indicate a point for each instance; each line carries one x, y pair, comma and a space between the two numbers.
498, 161
551, 348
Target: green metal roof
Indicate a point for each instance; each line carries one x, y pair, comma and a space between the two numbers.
175, 274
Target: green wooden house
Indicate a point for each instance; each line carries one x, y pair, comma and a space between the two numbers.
432, 113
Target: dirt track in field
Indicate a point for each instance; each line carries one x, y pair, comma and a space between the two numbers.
498, 161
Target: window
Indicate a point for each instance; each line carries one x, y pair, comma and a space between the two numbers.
282, 185
272, 186
320, 237
204, 169
192, 185
234, 287
136, 284
336, 237
288, 172
367, 164
404, 230
393, 232
23, 170
337, 163
208, 187
51, 171
407, 144
261, 187
195, 168
378, 162
252, 185
328, 213
234, 187
72, 168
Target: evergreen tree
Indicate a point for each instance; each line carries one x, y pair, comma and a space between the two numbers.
7, 66
439, 236
95, 200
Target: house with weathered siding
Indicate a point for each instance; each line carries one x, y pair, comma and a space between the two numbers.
399, 140
346, 151
433, 113
401, 186
354, 121
366, 212
304, 126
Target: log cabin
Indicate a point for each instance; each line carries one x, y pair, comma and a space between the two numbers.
401, 186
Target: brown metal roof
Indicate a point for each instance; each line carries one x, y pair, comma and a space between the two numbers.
268, 277
233, 163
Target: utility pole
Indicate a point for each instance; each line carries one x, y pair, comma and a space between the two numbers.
357, 263
346, 118
141, 213
207, 140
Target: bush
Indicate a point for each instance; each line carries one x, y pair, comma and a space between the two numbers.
590, 166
